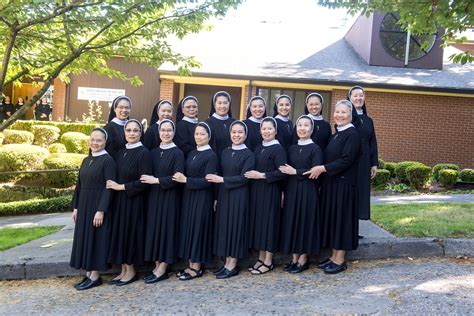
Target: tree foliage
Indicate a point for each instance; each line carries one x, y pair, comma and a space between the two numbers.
51, 39
421, 17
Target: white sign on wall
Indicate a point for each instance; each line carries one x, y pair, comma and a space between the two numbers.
98, 94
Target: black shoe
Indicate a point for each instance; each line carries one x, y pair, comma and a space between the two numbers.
334, 268
154, 279
298, 267
122, 283
289, 266
186, 276
324, 263
216, 272
225, 274
84, 279
360, 236
89, 284
180, 273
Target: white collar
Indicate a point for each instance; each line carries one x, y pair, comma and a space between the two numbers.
202, 148
360, 112
99, 153
315, 117
119, 122
158, 122
305, 142
283, 118
270, 143
135, 145
167, 146
255, 120
222, 118
190, 120
238, 147
343, 128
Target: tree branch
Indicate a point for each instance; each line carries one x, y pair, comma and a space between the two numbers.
6, 57
17, 76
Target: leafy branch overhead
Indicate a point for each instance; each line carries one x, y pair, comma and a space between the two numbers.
421, 17
51, 39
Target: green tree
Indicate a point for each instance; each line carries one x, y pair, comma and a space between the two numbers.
421, 17
54, 38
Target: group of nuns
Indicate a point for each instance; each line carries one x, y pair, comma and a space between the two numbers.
222, 187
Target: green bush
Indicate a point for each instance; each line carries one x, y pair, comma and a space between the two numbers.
20, 157
45, 135
400, 170
382, 177
17, 137
53, 205
390, 166
442, 166
381, 164
1, 139
75, 142
64, 127
57, 148
467, 175
63, 161
418, 175
448, 177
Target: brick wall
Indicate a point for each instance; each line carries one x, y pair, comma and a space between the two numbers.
429, 129
166, 89
246, 98
59, 100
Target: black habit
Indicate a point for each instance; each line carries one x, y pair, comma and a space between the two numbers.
254, 138
42, 109
284, 133
184, 137
116, 138
220, 138
152, 139
320, 136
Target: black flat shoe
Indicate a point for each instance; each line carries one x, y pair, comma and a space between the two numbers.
360, 236
89, 284
257, 265
289, 266
186, 276
180, 273
225, 274
324, 263
334, 268
262, 269
122, 283
216, 272
156, 279
113, 282
298, 267
84, 279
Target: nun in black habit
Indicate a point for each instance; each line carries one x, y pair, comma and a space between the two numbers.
265, 196
43, 110
231, 239
186, 120
195, 237
339, 197
91, 212
219, 120
162, 110
301, 214
118, 116
281, 112
369, 160
164, 200
256, 111
127, 240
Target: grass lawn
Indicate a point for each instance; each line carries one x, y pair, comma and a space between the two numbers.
12, 237
426, 220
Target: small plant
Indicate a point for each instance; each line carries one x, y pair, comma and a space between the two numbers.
57, 148
381, 179
45, 135
17, 137
399, 188
467, 175
418, 175
442, 166
381, 164
94, 113
448, 177
390, 166
401, 170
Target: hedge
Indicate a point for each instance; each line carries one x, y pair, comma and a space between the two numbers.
390, 166
64, 127
53, 205
75, 142
1, 138
381, 177
17, 137
20, 157
467, 175
448, 177
381, 164
45, 135
441, 166
63, 161
400, 170
418, 175
57, 148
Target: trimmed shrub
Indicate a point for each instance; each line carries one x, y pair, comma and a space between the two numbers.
64, 127
22, 125
45, 135
57, 148
442, 166
75, 142
381, 164
467, 175
448, 177
1, 138
20, 157
382, 177
400, 170
418, 175
17, 137
53, 205
63, 161
390, 166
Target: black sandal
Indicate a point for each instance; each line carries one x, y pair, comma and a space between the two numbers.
252, 267
186, 276
258, 271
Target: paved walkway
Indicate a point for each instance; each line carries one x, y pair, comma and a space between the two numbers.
421, 198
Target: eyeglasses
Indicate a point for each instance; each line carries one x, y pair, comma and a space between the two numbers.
129, 130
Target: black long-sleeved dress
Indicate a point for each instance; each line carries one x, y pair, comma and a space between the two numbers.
254, 138
116, 138
90, 245
320, 136
184, 137
265, 198
2, 112
164, 202
339, 197
195, 236
152, 140
368, 158
8, 108
220, 138
231, 238
127, 242
42, 109
284, 132
301, 213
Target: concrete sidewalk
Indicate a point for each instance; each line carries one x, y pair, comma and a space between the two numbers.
49, 256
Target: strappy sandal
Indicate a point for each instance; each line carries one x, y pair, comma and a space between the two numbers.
252, 268
258, 271
186, 276
180, 273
